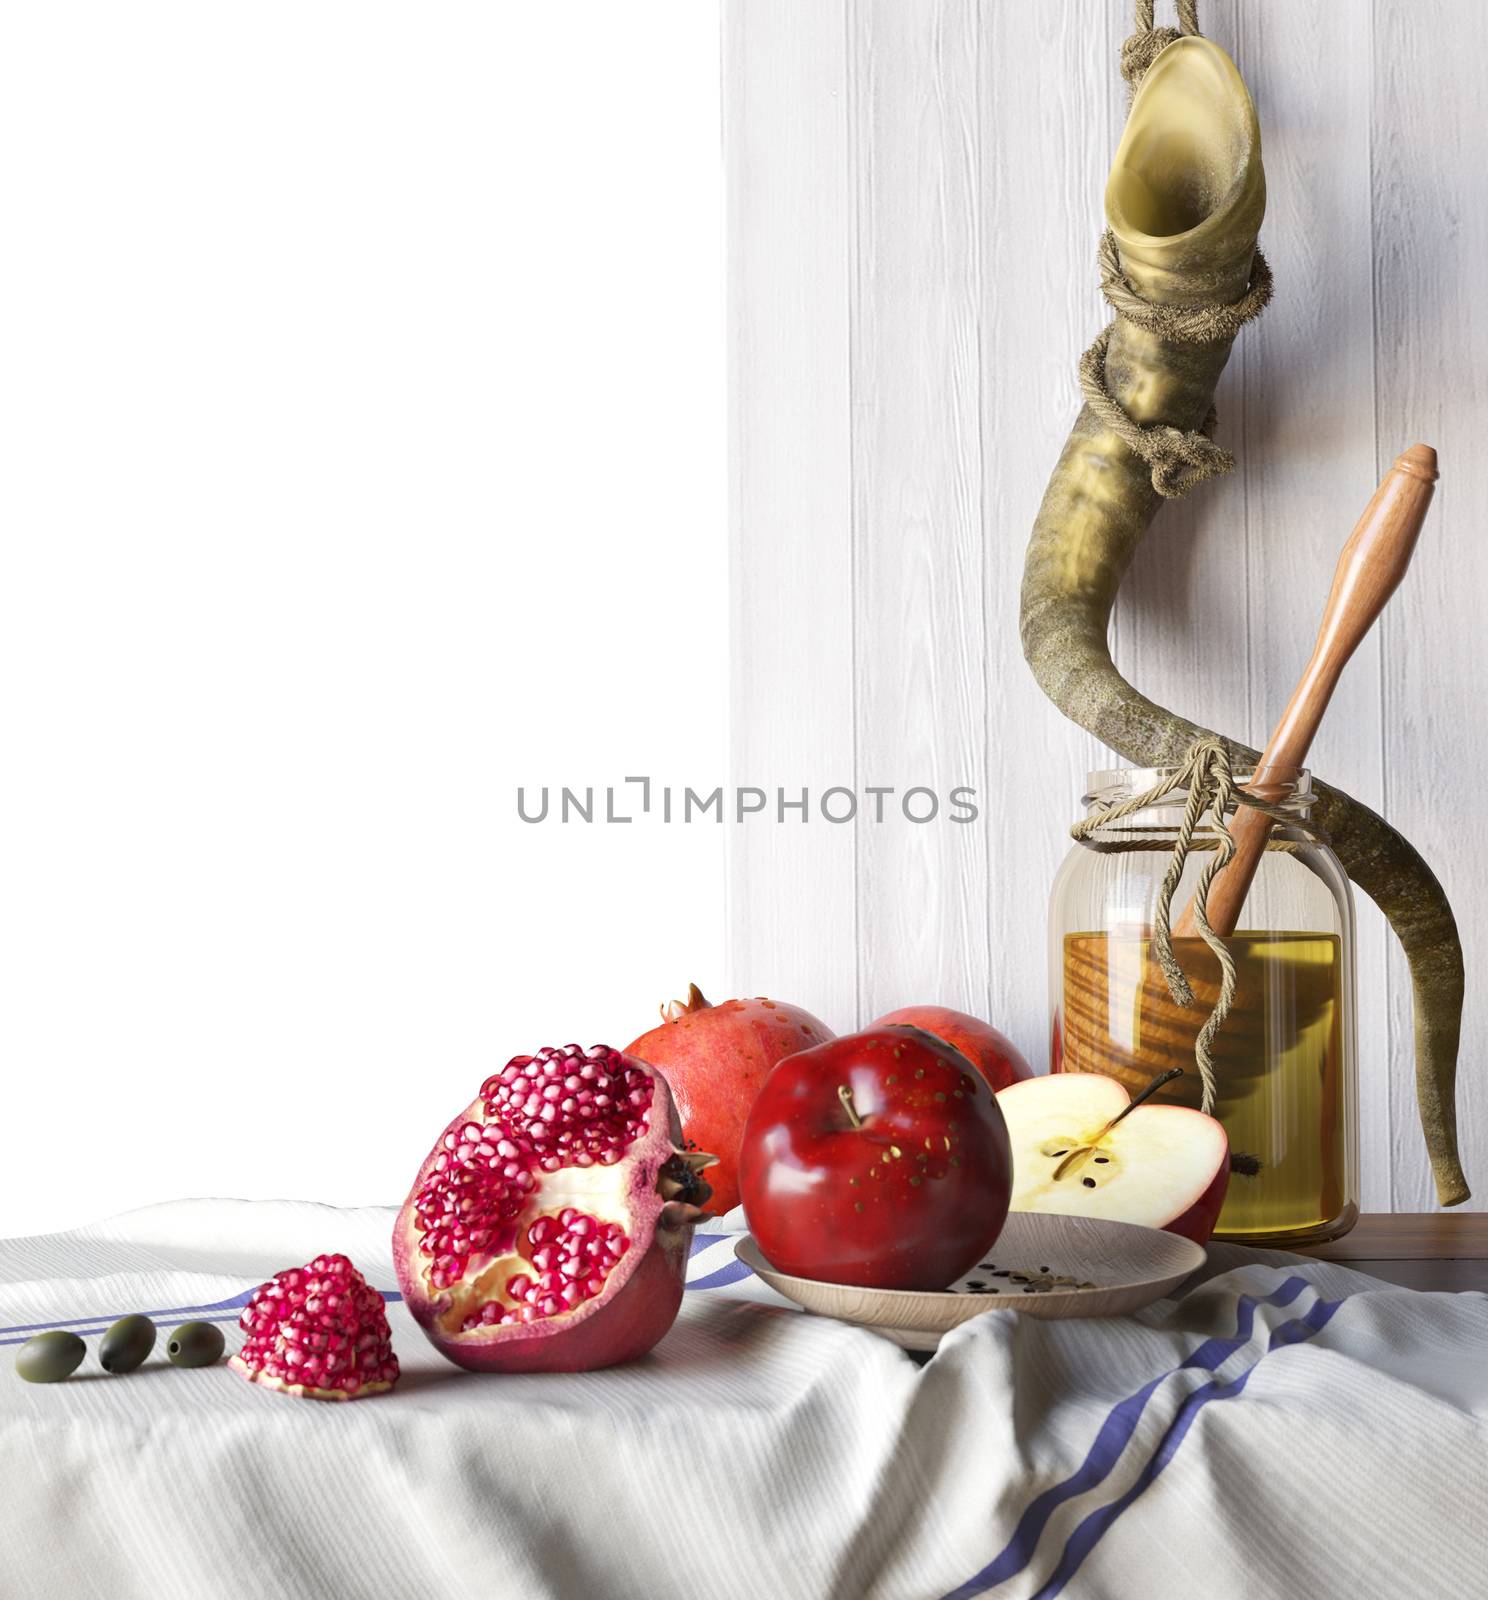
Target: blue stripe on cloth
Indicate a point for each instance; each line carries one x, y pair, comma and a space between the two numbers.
1111, 1440
730, 1272
103, 1327
84, 1325
1094, 1528
100, 1320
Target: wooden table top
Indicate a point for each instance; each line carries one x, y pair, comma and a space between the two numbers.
1430, 1250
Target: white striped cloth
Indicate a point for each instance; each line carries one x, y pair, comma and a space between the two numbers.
1284, 1428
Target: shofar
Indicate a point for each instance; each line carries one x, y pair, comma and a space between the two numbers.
1184, 203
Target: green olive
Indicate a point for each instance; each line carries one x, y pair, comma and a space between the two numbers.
196, 1344
125, 1346
50, 1357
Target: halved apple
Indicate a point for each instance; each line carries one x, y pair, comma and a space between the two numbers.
1081, 1148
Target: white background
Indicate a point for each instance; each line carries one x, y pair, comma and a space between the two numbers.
362, 404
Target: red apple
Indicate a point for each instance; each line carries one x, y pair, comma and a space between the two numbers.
714, 1059
879, 1159
1083, 1147
993, 1054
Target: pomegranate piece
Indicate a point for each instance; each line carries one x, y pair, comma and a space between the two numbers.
716, 1059
318, 1331
548, 1229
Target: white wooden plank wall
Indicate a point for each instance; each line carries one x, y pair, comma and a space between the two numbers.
790, 485
915, 190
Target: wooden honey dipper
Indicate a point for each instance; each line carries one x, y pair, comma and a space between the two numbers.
1369, 571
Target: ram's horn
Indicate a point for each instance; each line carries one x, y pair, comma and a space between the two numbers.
1184, 204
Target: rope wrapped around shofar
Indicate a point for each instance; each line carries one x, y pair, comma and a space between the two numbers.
1184, 204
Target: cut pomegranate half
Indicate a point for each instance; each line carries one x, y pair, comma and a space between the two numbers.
548, 1229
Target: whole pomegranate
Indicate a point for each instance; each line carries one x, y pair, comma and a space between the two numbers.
993, 1054
317, 1331
549, 1228
716, 1059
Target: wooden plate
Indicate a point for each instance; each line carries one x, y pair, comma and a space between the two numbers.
1041, 1266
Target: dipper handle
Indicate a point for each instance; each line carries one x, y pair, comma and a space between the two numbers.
1369, 571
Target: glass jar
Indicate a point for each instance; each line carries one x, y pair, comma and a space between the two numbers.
1284, 1059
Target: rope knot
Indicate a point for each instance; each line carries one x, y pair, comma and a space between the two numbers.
1140, 50
1149, 40
1181, 460
1178, 460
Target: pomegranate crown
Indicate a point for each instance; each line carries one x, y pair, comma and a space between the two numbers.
675, 1010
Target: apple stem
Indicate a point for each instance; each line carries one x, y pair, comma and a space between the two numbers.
1077, 1157
844, 1094
1162, 1079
